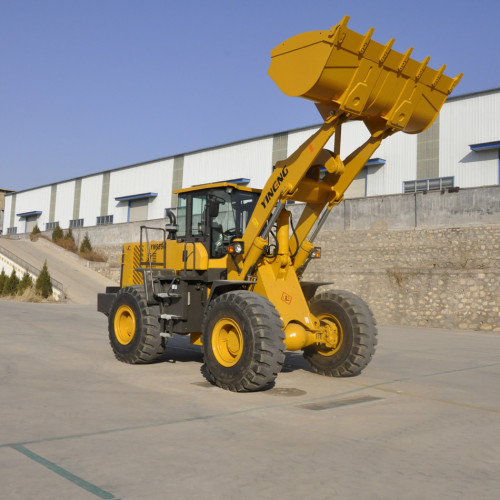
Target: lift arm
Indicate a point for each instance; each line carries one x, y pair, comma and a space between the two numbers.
349, 77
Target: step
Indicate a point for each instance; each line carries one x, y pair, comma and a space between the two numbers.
167, 295
168, 317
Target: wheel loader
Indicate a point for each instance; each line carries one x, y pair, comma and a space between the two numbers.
228, 269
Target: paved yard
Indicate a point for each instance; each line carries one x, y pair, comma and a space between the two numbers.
422, 421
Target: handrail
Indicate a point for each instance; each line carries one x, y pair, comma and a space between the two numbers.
31, 269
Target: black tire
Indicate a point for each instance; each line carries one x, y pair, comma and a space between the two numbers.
353, 344
134, 329
243, 342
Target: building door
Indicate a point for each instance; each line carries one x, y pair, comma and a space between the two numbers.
138, 210
358, 187
31, 223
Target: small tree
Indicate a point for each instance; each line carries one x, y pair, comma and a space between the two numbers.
43, 285
35, 233
10, 287
25, 283
57, 233
69, 235
3, 279
86, 246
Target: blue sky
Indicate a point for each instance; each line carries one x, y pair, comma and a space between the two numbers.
92, 85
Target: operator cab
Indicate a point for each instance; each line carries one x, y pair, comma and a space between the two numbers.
214, 214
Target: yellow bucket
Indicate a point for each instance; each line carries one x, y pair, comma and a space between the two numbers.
344, 71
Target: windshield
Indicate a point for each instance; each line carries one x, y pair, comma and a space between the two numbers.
215, 216
235, 209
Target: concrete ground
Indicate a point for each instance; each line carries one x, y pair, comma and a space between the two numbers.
422, 421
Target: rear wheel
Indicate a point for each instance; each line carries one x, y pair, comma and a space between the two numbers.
242, 341
349, 334
134, 330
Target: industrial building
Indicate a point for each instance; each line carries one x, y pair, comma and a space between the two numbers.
460, 149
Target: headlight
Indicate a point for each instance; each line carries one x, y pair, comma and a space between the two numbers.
315, 253
236, 247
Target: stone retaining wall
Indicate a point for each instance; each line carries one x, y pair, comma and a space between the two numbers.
443, 278
428, 259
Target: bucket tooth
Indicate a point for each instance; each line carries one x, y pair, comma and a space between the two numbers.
438, 76
454, 82
422, 67
338, 32
404, 59
366, 41
387, 49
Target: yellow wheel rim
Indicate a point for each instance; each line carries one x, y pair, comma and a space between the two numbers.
227, 342
124, 325
333, 335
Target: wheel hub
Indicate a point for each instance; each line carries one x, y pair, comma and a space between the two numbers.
227, 342
331, 336
124, 325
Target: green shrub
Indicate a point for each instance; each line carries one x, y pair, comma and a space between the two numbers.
69, 235
86, 247
43, 285
10, 286
25, 283
35, 233
57, 233
3, 279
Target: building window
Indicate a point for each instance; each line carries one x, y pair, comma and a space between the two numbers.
12, 230
76, 223
435, 184
104, 219
49, 226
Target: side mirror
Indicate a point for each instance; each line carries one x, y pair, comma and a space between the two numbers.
172, 226
213, 208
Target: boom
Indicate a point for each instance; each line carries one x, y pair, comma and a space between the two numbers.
349, 77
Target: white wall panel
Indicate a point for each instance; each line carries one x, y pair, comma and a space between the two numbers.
400, 153
64, 203
251, 160
464, 122
90, 199
30, 201
155, 177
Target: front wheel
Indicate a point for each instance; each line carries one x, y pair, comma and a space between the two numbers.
349, 334
243, 341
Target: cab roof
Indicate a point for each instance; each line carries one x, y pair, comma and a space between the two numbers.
216, 185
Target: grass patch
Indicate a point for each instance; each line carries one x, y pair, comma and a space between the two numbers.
93, 256
29, 295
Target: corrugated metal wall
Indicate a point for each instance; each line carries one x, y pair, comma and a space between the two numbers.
466, 121
90, 199
155, 177
34, 200
463, 121
64, 203
251, 160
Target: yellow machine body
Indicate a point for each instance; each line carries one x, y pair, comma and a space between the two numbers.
349, 77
